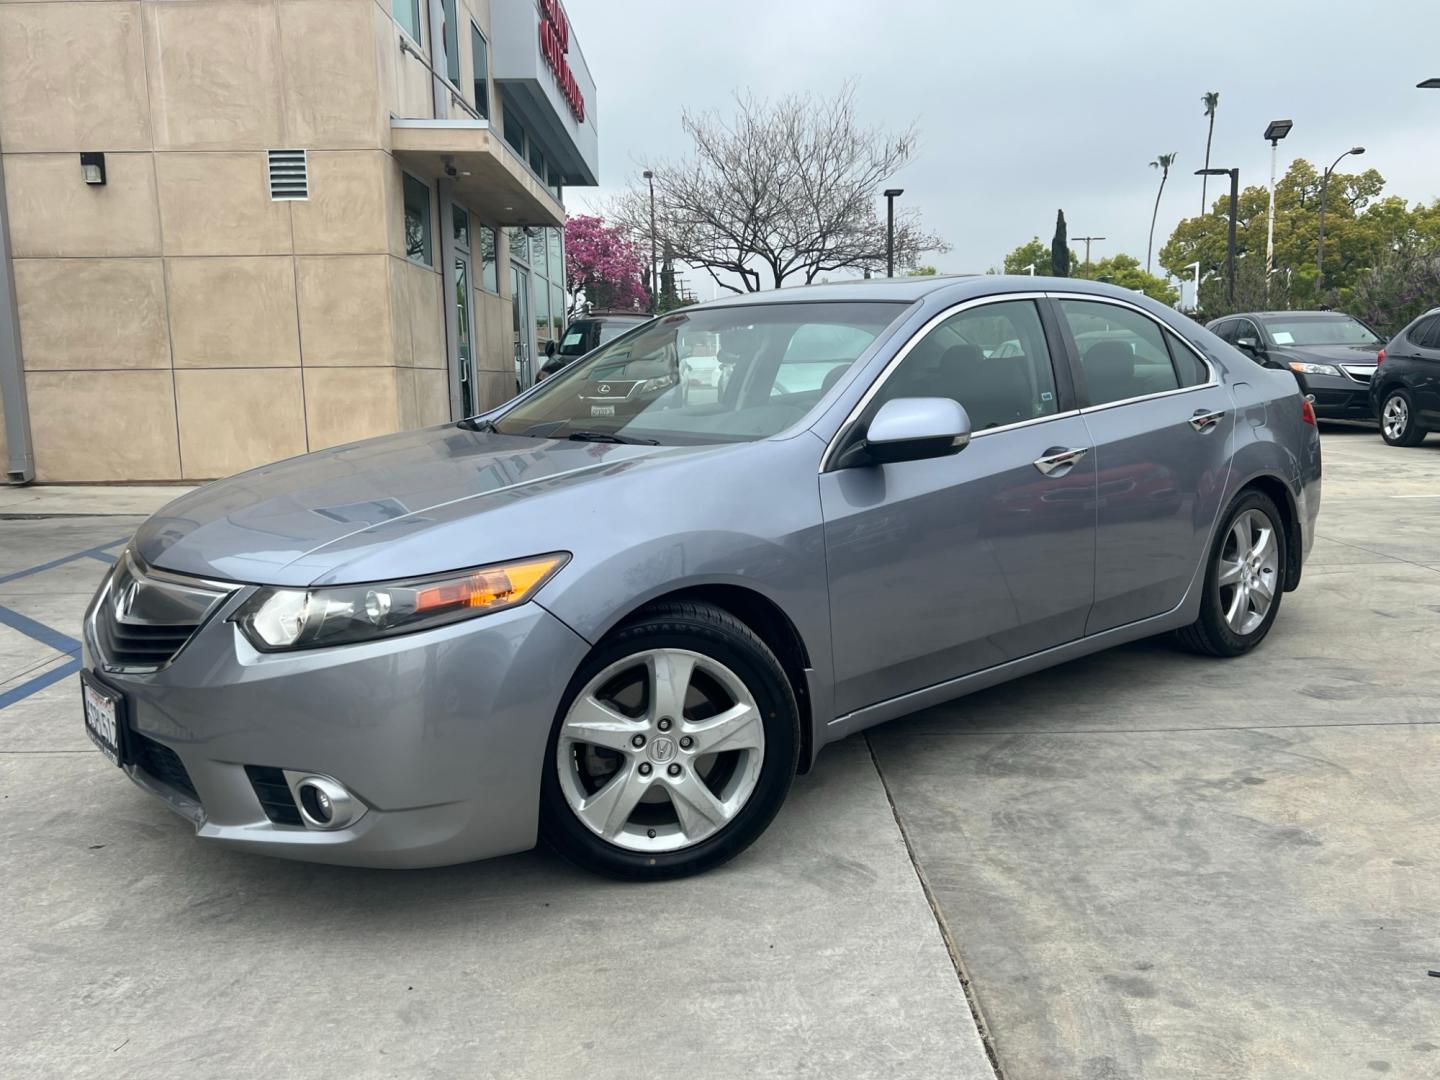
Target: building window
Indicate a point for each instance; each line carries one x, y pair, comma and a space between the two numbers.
489, 270
537, 161
556, 182
519, 244
417, 221
461, 221
407, 14
480, 62
452, 41
514, 133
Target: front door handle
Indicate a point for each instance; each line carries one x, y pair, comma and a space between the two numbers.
1206, 421
1057, 461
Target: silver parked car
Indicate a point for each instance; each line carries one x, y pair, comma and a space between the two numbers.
626, 620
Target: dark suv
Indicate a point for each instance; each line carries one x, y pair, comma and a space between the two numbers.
1332, 355
586, 333
1405, 392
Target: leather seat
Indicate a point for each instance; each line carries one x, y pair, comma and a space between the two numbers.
1109, 371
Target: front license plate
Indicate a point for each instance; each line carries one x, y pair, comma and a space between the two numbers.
104, 718
602, 410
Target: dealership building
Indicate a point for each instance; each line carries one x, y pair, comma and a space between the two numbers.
232, 231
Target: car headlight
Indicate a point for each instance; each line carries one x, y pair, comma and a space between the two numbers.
649, 386
1313, 369
275, 619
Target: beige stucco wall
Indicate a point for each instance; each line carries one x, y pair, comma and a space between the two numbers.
177, 323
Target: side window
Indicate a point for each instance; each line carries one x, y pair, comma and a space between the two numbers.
1244, 328
1191, 368
1225, 331
992, 359
1122, 353
1426, 333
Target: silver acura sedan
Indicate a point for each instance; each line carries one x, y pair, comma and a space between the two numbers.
623, 615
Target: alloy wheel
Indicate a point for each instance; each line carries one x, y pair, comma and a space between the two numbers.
660, 750
1248, 572
1395, 417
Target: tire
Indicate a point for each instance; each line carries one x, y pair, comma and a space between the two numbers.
1399, 423
719, 802
1223, 628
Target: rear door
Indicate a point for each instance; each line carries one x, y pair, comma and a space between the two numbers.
942, 567
1161, 425
1425, 380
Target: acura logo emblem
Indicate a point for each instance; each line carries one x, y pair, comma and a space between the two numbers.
126, 600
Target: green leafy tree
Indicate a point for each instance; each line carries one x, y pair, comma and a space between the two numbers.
922, 271
1211, 101
1034, 252
1403, 283
1360, 226
1060, 248
1250, 290
1125, 271
1163, 163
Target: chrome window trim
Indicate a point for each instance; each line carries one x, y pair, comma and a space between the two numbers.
1212, 382
846, 425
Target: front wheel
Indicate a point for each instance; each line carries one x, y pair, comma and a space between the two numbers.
1399, 424
1243, 582
674, 746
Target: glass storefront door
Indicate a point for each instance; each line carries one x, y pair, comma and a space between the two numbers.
520, 311
464, 338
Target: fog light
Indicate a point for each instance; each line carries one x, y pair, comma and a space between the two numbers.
325, 804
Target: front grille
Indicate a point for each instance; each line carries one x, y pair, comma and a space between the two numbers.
1359, 374
140, 645
274, 794
144, 617
162, 763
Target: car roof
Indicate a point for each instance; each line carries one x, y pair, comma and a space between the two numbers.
1291, 315
908, 290
610, 316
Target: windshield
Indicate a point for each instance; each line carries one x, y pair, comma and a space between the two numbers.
1333, 330
727, 374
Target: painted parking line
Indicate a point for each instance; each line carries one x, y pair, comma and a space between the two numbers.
100, 551
39, 682
38, 630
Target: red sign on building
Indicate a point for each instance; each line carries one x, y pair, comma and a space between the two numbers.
554, 45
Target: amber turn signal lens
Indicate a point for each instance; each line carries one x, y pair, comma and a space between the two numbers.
498, 586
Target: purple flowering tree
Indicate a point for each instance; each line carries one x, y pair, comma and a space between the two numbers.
602, 263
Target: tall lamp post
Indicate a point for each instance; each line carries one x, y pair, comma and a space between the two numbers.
891, 194
1195, 300
650, 179
1277, 130
1324, 188
1234, 175
1030, 269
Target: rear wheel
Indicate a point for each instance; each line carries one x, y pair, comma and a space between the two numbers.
1399, 423
1243, 582
674, 746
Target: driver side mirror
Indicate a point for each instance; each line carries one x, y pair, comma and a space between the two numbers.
1249, 345
550, 347
911, 429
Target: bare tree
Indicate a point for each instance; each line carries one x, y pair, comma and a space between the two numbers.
782, 190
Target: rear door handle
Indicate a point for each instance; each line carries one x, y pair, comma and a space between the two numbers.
1205, 421
1057, 461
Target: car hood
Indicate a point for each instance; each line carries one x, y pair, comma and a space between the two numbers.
1330, 354
305, 519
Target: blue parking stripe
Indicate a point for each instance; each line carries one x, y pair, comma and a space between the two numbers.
39, 631
103, 556
96, 552
39, 682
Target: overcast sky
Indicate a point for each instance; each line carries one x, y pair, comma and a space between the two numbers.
1024, 107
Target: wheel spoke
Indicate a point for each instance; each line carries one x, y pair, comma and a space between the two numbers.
592, 721
1264, 540
1230, 572
698, 808
1264, 591
610, 808
1237, 605
736, 728
669, 673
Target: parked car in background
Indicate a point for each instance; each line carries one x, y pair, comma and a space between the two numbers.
624, 620
588, 332
1331, 354
1405, 391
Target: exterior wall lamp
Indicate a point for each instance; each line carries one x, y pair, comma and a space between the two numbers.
92, 167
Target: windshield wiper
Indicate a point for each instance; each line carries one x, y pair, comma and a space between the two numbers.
609, 437
479, 425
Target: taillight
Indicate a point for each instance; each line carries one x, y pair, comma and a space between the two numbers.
1381, 358
1307, 411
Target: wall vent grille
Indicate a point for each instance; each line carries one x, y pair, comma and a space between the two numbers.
289, 175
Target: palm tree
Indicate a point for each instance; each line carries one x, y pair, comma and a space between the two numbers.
1211, 101
1163, 163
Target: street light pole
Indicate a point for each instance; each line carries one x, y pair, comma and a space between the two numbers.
1324, 188
891, 194
1277, 130
1234, 175
650, 178
1030, 269
1195, 300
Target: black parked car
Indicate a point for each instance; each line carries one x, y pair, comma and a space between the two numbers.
1332, 355
586, 333
1405, 392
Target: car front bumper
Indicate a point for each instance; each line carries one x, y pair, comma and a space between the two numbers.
1339, 398
440, 734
